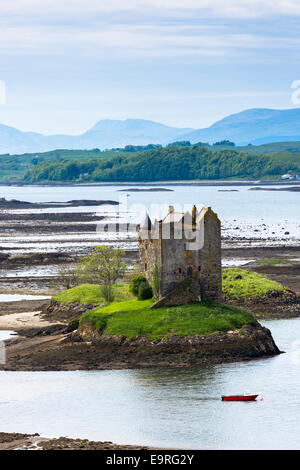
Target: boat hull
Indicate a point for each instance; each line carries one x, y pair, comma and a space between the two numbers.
239, 398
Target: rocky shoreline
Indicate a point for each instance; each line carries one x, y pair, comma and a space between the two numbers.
18, 441
59, 346
180, 351
53, 340
16, 204
271, 308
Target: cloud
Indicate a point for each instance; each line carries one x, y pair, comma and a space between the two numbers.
131, 40
219, 8
153, 27
125, 39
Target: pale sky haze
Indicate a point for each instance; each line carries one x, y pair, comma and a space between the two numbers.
185, 63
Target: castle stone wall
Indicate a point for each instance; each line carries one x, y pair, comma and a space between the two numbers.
173, 268
178, 262
149, 255
210, 259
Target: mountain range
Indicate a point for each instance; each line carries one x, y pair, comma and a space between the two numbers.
255, 126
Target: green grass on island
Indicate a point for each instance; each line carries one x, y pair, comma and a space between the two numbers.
133, 318
237, 284
92, 294
242, 284
273, 261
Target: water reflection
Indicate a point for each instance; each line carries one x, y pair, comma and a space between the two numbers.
167, 408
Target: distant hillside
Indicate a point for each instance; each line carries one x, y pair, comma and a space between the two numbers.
104, 134
109, 133
14, 167
274, 147
255, 126
167, 164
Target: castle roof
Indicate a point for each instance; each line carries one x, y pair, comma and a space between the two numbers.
179, 219
173, 217
146, 223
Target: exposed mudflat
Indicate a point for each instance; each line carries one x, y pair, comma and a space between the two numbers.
15, 204
21, 320
19, 306
17, 441
271, 308
35, 244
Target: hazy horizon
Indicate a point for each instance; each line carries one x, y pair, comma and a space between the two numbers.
146, 120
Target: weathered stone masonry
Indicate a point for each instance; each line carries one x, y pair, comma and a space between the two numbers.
185, 247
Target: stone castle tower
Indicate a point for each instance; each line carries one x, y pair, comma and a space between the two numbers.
187, 250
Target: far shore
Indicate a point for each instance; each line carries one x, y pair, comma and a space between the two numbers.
161, 183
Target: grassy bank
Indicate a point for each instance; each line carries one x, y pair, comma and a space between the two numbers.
237, 284
130, 317
242, 284
133, 318
273, 261
91, 294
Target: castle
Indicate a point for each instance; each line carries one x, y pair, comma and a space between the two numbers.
186, 247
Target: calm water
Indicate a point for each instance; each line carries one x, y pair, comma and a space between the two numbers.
6, 334
173, 408
242, 204
18, 297
267, 216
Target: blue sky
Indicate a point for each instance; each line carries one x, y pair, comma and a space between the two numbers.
185, 63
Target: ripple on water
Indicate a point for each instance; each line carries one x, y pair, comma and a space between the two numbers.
179, 408
19, 297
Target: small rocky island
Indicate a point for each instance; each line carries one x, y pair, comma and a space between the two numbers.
76, 335
174, 316
16, 204
294, 189
149, 190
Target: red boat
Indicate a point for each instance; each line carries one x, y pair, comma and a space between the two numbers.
239, 397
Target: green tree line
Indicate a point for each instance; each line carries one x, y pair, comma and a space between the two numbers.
166, 164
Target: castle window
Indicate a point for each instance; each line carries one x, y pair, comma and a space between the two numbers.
179, 270
199, 268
